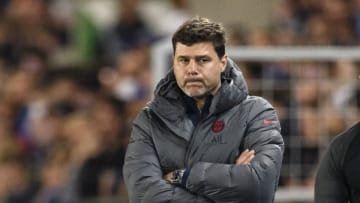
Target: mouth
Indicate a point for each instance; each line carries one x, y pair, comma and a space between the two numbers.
194, 84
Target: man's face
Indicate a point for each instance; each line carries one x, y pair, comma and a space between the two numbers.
197, 69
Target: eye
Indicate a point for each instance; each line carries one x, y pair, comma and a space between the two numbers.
203, 60
183, 60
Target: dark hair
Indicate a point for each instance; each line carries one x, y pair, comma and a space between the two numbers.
200, 29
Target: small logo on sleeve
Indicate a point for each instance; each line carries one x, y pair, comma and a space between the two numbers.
218, 126
267, 121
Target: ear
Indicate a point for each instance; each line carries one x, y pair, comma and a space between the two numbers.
223, 62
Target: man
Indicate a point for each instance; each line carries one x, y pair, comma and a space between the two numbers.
185, 144
338, 177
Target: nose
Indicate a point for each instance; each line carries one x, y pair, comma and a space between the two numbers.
192, 68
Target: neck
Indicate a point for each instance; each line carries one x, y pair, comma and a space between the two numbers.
200, 102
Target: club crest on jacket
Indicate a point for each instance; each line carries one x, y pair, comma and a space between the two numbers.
218, 126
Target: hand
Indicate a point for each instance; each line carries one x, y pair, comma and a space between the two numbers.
168, 176
245, 157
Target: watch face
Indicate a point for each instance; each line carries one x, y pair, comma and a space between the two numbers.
176, 178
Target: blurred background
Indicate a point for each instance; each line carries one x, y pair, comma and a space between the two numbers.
74, 73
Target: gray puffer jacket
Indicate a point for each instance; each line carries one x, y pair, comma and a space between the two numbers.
164, 139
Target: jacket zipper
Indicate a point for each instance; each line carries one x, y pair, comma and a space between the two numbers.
192, 139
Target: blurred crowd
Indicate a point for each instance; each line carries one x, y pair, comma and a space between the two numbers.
70, 89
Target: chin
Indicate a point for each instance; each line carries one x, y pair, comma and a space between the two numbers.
197, 95
196, 92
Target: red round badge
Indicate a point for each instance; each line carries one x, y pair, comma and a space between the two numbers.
218, 126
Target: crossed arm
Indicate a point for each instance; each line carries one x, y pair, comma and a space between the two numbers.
244, 159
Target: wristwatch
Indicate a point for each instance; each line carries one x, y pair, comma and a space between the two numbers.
177, 176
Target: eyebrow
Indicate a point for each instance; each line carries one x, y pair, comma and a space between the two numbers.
196, 57
202, 56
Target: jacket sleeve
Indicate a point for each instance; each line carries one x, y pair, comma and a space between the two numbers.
256, 182
330, 185
142, 172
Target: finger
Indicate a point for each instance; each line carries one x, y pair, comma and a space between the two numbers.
242, 156
249, 159
245, 157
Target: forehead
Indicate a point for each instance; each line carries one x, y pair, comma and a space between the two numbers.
197, 49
